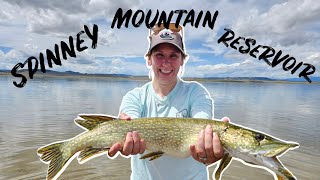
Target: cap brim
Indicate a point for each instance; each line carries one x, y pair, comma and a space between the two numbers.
150, 49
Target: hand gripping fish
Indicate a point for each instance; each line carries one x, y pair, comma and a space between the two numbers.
167, 136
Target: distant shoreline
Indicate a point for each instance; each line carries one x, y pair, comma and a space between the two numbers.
70, 74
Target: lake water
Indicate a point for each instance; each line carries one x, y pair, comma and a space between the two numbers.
43, 111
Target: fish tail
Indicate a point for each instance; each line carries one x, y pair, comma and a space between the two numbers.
56, 157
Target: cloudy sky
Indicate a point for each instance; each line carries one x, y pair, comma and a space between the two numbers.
28, 27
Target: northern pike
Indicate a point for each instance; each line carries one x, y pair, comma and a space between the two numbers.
167, 136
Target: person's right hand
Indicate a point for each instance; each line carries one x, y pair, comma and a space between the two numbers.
133, 143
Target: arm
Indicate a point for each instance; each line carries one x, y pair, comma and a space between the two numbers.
208, 148
202, 105
133, 143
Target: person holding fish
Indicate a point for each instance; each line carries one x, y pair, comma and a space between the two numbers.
167, 95
170, 119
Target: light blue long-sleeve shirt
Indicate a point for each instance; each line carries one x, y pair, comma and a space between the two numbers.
187, 99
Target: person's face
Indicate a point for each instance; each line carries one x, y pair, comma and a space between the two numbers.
165, 60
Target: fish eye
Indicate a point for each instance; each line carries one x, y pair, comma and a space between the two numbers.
259, 137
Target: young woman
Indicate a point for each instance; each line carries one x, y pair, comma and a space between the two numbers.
167, 95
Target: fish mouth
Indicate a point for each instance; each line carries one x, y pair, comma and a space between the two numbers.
278, 149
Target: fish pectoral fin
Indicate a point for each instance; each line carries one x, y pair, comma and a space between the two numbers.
89, 153
155, 157
280, 177
283, 172
91, 121
224, 162
152, 155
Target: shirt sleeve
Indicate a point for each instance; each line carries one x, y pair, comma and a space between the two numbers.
202, 105
131, 104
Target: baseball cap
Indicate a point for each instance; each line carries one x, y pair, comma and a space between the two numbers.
173, 35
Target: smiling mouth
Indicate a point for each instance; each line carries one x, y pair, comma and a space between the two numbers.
165, 72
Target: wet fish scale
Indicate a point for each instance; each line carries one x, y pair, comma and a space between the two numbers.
166, 136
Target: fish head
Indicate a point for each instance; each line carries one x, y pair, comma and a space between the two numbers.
269, 146
267, 152
258, 149
251, 142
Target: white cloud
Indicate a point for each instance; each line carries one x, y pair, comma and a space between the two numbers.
8, 60
224, 68
61, 18
1, 56
9, 14
107, 38
29, 27
47, 21
195, 59
245, 68
117, 62
286, 23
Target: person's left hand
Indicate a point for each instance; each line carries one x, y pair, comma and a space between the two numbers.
208, 149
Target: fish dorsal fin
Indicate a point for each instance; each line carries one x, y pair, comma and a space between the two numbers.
91, 121
224, 163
